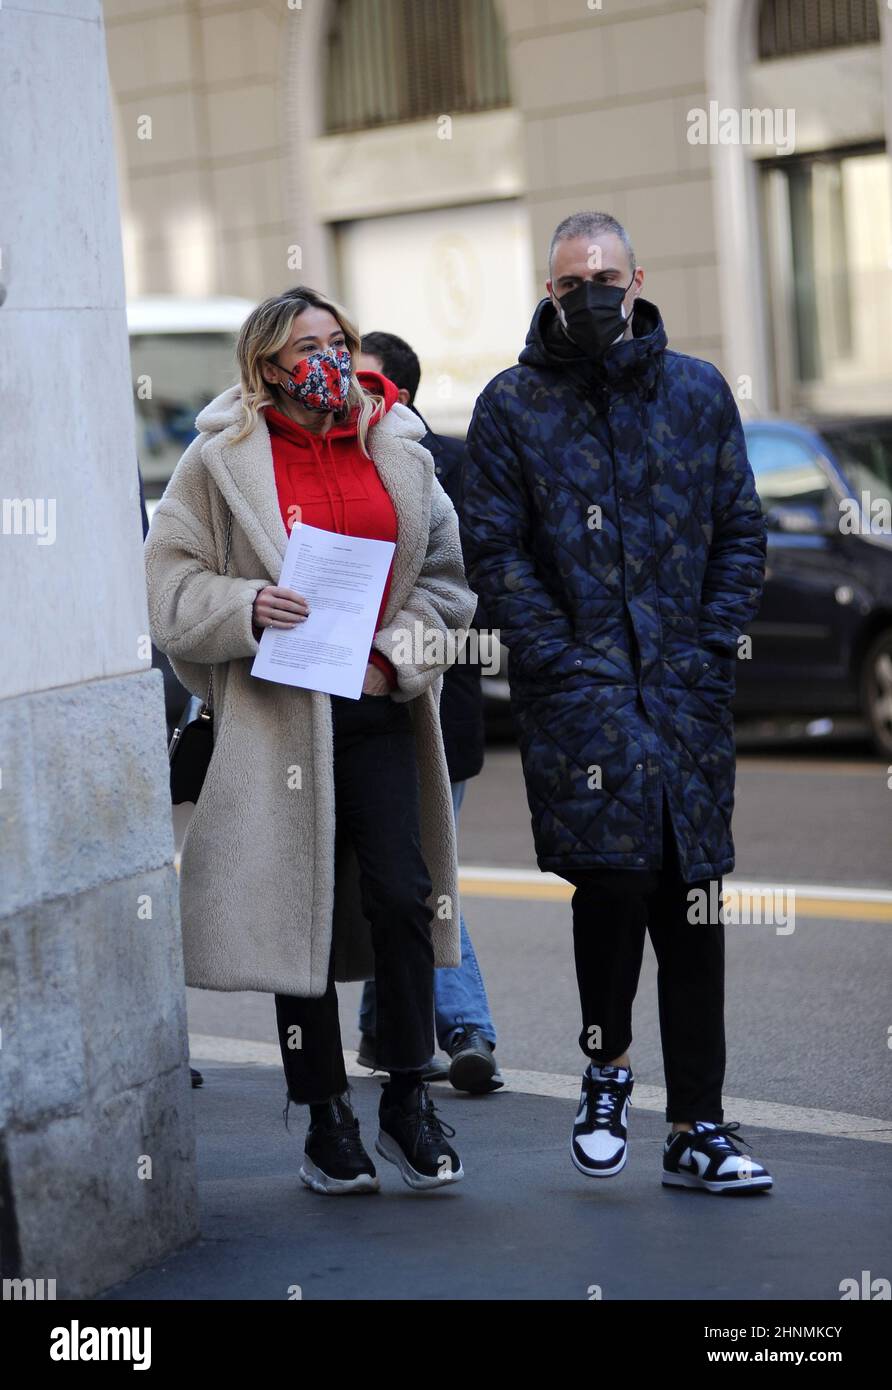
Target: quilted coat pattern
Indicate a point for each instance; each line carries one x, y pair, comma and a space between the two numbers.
613, 532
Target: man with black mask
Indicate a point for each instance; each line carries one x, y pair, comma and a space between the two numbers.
613, 531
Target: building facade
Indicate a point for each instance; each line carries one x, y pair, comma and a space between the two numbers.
413, 156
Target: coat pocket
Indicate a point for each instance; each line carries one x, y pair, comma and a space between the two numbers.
718, 672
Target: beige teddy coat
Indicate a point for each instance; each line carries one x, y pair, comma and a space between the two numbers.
259, 894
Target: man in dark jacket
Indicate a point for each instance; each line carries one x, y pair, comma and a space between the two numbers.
464, 1025
614, 533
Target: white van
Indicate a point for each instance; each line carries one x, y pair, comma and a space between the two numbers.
182, 354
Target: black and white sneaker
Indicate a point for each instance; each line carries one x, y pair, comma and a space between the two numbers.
414, 1138
706, 1156
335, 1161
599, 1144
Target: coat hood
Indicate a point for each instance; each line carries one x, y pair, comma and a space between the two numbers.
635, 361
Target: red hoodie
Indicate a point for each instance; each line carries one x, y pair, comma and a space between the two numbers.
327, 481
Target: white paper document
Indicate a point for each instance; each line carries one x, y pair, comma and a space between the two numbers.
342, 579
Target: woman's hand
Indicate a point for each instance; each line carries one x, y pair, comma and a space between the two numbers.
375, 682
278, 607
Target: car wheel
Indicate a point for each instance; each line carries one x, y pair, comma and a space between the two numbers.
876, 687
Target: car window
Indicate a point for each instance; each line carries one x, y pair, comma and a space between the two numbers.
864, 453
787, 471
174, 375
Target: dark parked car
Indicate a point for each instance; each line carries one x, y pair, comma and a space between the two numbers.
822, 641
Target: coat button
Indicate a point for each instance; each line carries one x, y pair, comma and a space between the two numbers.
577, 663
640, 859
706, 666
639, 767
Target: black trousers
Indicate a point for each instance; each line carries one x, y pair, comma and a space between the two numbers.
612, 910
377, 810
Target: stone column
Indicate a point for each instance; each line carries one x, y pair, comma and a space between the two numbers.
97, 1163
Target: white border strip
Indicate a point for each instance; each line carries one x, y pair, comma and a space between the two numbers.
757, 1114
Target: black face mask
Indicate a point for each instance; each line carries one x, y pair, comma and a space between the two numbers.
593, 315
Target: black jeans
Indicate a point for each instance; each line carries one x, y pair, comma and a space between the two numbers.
612, 910
377, 809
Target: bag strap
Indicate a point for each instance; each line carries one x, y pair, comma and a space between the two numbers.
209, 702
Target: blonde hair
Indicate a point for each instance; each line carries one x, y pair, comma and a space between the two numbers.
265, 332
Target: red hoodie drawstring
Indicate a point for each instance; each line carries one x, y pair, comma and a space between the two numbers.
323, 473
337, 478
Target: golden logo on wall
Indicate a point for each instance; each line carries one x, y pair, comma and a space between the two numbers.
453, 279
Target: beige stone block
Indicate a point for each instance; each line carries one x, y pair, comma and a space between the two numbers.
692, 159
615, 143
242, 120
674, 290
517, 15
154, 52
158, 198
559, 69
709, 310
673, 219
244, 43
536, 159
402, 167
257, 265
152, 271
176, 252
260, 200
658, 52
172, 136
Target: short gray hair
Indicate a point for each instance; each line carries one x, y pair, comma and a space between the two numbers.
590, 224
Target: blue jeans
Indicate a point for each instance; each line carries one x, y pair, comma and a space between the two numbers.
459, 991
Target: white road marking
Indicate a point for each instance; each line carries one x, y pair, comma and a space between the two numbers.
752, 1114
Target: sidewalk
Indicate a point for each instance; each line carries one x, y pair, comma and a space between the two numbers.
523, 1224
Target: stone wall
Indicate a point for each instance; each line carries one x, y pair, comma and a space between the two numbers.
96, 1135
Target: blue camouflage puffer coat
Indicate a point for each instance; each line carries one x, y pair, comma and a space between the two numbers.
613, 532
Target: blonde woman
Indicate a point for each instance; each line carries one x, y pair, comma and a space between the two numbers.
322, 846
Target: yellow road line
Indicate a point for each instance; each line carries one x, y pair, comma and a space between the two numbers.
839, 909
829, 909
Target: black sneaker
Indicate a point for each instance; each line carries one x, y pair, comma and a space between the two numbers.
473, 1067
414, 1138
335, 1161
707, 1157
599, 1144
435, 1070
197, 1078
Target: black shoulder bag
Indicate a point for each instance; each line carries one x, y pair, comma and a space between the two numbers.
192, 741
